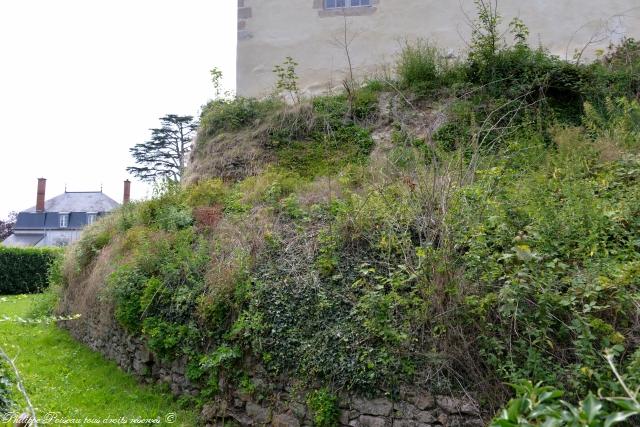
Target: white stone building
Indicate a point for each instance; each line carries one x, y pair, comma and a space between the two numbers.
312, 32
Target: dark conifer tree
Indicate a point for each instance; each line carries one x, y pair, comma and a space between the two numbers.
163, 157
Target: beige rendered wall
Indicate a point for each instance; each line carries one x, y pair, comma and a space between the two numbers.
270, 30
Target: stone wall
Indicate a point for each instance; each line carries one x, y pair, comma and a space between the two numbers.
285, 407
272, 401
130, 353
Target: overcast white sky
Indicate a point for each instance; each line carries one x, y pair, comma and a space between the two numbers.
81, 81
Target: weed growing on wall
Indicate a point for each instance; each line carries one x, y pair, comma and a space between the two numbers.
324, 406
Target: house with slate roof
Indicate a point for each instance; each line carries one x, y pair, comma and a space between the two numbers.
60, 220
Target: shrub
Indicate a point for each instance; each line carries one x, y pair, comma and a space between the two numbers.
420, 67
173, 218
542, 405
92, 240
45, 304
324, 405
287, 83
365, 103
206, 193
553, 265
626, 54
228, 115
619, 121
458, 131
25, 270
170, 340
156, 288
126, 285
331, 112
621, 74
269, 187
548, 84
331, 141
223, 356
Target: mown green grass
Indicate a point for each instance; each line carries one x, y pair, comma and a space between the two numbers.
65, 378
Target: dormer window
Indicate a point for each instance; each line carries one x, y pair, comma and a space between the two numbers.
341, 4
91, 217
64, 220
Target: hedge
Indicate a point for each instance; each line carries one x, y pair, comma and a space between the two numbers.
25, 271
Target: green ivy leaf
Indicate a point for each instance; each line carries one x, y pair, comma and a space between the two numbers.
591, 407
550, 395
618, 417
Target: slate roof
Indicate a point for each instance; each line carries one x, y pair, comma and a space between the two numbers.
90, 201
51, 221
30, 220
74, 204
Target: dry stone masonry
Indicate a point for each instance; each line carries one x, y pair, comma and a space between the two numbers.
287, 408
272, 403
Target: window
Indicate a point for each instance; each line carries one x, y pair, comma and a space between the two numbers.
64, 220
338, 4
91, 218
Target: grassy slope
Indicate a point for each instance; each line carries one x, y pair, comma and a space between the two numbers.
64, 377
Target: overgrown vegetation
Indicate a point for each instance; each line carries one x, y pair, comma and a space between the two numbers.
25, 270
542, 405
325, 408
345, 243
553, 256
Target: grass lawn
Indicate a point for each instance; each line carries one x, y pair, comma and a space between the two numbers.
66, 379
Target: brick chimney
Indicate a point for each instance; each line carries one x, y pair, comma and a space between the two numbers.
126, 197
42, 185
